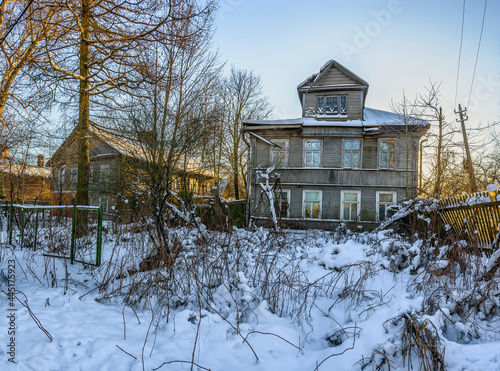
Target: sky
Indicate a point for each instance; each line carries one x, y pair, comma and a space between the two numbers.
397, 46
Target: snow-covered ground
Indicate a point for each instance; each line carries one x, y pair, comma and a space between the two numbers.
246, 301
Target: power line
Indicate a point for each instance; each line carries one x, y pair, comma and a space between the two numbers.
460, 53
16, 22
477, 53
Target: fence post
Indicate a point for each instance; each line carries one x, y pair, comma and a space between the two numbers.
99, 237
22, 227
11, 222
73, 235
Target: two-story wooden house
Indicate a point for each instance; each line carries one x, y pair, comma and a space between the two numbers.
115, 163
340, 161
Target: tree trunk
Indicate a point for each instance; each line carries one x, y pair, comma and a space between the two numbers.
82, 191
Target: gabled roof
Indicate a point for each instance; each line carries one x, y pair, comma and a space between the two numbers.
9, 167
311, 83
127, 147
374, 121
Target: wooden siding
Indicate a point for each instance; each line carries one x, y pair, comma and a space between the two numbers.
330, 203
334, 77
354, 104
331, 154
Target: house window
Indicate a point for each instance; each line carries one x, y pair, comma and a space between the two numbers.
343, 105
384, 201
387, 159
352, 154
63, 175
104, 173
331, 106
320, 110
282, 203
104, 204
312, 152
350, 204
312, 204
279, 155
74, 175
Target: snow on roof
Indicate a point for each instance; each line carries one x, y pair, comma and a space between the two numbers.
372, 117
134, 149
8, 167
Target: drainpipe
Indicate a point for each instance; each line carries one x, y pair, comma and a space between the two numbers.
247, 213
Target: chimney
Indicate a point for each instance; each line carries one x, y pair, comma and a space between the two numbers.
4, 152
39, 161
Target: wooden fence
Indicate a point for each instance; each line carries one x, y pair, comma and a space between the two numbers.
477, 215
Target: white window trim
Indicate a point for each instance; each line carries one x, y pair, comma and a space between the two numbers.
342, 204
380, 141
304, 203
304, 153
288, 192
360, 153
395, 195
284, 163
324, 114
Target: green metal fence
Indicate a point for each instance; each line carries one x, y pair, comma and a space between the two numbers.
58, 231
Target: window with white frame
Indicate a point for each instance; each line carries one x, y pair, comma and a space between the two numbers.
352, 153
74, 175
331, 105
63, 175
350, 205
282, 203
312, 152
384, 201
387, 154
279, 153
312, 204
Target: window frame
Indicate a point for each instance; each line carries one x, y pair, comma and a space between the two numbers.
73, 175
304, 152
394, 202
284, 161
379, 152
339, 113
360, 150
320, 202
288, 197
350, 202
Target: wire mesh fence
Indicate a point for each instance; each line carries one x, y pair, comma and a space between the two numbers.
67, 232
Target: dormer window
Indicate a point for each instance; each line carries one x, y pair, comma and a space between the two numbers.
330, 106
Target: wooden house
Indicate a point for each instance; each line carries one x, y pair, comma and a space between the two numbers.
115, 164
340, 161
23, 183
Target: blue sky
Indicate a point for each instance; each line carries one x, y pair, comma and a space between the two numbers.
394, 45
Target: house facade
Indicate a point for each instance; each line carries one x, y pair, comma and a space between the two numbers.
115, 164
339, 162
23, 183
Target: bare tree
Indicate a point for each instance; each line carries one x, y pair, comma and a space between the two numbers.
243, 99
168, 117
23, 29
96, 48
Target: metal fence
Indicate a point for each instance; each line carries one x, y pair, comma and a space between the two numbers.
57, 231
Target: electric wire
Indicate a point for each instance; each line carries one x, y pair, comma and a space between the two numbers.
16, 22
477, 53
460, 53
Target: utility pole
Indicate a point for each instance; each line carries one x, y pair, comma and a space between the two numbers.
468, 160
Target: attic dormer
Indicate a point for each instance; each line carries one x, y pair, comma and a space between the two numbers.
335, 93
